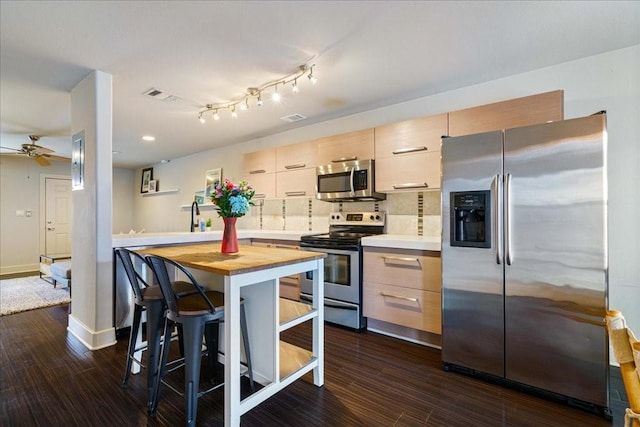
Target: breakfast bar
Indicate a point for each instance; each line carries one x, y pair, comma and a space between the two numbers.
253, 273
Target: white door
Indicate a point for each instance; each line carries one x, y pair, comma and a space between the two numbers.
57, 216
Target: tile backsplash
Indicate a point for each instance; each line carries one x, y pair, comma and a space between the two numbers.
411, 213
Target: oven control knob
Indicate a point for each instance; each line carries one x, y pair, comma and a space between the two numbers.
371, 217
378, 217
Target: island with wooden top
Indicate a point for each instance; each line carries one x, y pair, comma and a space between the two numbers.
253, 273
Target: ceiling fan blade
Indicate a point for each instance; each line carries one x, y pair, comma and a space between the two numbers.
60, 158
9, 148
41, 160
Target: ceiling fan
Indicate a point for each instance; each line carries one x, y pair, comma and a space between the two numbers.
36, 152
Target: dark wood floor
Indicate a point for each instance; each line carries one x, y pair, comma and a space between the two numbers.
49, 378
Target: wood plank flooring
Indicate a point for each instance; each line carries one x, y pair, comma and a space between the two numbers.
49, 378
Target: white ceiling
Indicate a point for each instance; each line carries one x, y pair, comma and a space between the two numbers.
367, 54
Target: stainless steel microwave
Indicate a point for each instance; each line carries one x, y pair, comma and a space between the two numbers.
347, 181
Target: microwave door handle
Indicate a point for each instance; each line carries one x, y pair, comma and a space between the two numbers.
353, 191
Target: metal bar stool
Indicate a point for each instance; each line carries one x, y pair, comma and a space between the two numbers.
147, 298
199, 314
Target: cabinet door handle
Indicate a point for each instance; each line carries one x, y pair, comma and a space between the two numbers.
402, 297
409, 150
259, 196
400, 258
344, 159
295, 193
411, 185
298, 166
255, 171
287, 247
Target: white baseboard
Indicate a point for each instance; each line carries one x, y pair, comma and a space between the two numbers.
25, 268
93, 340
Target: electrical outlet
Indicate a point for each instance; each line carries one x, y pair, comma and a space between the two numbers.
28, 212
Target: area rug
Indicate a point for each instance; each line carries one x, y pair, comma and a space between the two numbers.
29, 293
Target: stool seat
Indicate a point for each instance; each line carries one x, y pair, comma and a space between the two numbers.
195, 305
155, 293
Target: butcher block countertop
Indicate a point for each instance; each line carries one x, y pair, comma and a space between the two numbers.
207, 257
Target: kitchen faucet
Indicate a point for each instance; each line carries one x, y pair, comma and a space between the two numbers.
194, 204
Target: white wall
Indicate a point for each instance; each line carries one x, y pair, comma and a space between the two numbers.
20, 190
603, 82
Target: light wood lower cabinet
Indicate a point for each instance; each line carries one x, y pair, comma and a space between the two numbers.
403, 287
289, 285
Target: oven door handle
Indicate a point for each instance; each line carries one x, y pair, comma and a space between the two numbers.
326, 304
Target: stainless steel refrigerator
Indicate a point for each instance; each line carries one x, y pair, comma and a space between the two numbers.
524, 258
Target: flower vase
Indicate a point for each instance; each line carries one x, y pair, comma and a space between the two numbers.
229, 236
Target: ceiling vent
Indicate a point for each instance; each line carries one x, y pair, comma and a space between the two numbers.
161, 95
293, 118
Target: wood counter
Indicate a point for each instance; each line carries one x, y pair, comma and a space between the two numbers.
207, 257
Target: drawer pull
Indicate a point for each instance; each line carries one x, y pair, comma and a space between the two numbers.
259, 196
400, 258
287, 247
411, 185
409, 150
344, 159
298, 166
295, 193
255, 171
402, 297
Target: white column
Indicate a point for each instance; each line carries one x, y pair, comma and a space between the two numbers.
91, 318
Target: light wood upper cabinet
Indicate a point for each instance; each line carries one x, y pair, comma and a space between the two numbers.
420, 171
529, 110
264, 185
258, 162
297, 156
410, 136
357, 145
296, 183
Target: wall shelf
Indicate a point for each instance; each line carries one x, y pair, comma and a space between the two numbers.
200, 206
157, 193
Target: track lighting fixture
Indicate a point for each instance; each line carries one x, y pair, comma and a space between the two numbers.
242, 102
276, 96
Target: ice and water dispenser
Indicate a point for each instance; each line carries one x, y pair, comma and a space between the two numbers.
471, 219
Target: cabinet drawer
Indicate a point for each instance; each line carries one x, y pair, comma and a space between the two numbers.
411, 269
420, 171
412, 308
290, 287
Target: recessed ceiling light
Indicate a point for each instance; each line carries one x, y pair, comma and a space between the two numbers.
149, 138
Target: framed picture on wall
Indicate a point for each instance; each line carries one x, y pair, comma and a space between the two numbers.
212, 177
153, 186
147, 177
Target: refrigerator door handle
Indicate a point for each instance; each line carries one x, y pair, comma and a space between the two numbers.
507, 219
498, 216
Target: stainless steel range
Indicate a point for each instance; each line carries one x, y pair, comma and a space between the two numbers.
343, 265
